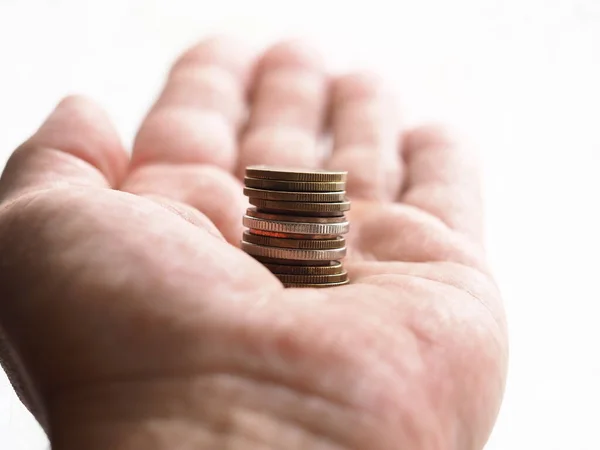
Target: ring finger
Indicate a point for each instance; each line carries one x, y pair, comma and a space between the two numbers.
365, 130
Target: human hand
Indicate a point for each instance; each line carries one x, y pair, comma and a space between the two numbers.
133, 320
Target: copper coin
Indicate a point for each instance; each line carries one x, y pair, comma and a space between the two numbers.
286, 196
293, 218
333, 268
311, 279
296, 227
290, 262
293, 253
312, 208
295, 186
308, 244
294, 174
323, 285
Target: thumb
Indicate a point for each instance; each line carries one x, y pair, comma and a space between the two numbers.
76, 145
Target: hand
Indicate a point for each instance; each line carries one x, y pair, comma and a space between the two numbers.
133, 320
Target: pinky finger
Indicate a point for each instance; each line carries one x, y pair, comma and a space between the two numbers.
443, 179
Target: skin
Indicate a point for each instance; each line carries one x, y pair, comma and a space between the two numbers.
131, 319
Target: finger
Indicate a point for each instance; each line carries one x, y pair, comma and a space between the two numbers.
365, 128
287, 113
443, 179
208, 189
76, 145
196, 116
397, 232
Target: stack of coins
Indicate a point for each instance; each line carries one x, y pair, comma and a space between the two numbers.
296, 224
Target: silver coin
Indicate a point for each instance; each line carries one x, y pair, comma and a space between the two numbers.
296, 227
293, 253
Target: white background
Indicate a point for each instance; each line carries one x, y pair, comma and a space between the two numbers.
519, 76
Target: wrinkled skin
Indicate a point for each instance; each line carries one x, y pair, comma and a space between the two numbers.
132, 319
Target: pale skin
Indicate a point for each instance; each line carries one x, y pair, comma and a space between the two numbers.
133, 321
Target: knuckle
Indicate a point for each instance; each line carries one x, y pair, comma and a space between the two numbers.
196, 134
429, 135
207, 87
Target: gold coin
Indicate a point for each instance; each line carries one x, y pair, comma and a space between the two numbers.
294, 174
286, 196
253, 212
296, 227
293, 253
333, 268
295, 186
323, 285
290, 262
308, 244
309, 209
312, 279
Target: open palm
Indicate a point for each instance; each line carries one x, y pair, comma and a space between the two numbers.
133, 319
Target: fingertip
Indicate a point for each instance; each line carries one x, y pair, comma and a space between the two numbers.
292, 54
295, 55
76, 145
223, 51
80, 127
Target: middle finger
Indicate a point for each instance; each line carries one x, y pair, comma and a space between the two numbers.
289, 103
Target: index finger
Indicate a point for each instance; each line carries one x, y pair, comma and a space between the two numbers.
77, 145
197, 115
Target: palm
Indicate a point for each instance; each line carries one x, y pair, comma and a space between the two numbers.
421, 317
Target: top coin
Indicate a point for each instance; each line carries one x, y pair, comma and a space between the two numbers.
294, 174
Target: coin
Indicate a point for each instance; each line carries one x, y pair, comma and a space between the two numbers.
296, 227
311, 279
295, 186
293, 253
296, 224
292, 235
333, 268
323, 285
293, 218
294, 174
308, 244
291, 262
286, 196
313, 208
